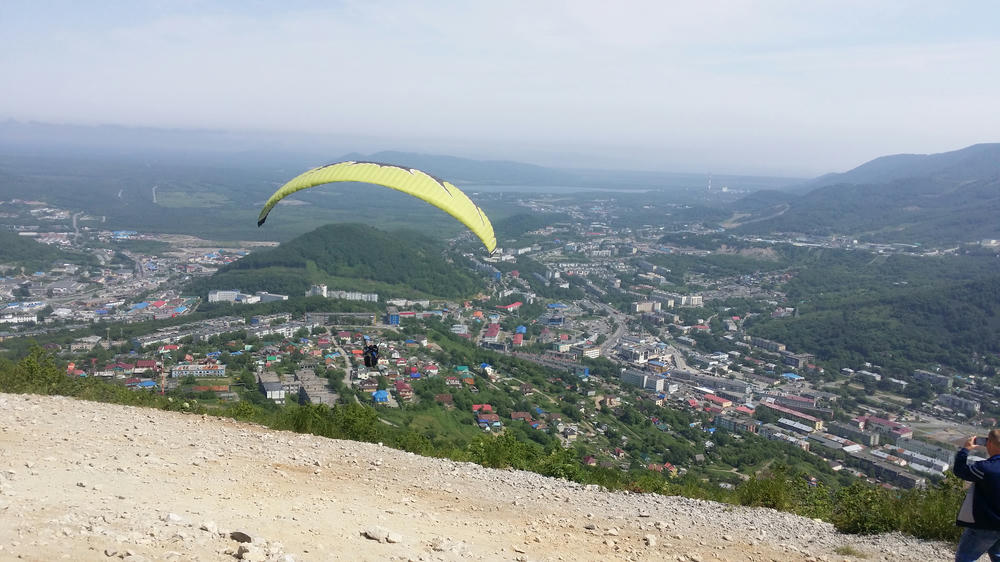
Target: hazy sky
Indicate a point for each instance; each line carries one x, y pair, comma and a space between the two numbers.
796, 87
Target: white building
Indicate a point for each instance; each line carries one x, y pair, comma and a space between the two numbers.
198, 370
226, 295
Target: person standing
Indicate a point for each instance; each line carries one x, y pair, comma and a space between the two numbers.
980, 512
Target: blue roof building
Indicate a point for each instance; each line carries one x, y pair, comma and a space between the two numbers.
791, 376
381, 396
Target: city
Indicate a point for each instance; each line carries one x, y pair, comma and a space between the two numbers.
618, 335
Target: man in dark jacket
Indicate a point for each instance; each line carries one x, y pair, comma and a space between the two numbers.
980, 512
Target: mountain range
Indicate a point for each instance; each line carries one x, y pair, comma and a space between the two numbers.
211, 183
944, 198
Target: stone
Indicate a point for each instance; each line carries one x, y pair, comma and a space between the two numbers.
250, 553
650, 540
375, 533
240, 536
172, 518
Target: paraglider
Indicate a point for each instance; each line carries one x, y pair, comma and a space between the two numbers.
419, 184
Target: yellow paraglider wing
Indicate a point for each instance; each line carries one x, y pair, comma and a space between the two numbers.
419, 184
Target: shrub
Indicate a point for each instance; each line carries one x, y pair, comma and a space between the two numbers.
930, 513
864, 509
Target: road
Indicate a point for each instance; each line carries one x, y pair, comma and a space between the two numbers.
76, 230
347, 371
620, 322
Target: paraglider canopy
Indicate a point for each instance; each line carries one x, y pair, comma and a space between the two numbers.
421, 185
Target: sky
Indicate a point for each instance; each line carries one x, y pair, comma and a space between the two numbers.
772, 87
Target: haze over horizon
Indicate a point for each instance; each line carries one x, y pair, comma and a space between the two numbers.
740, 87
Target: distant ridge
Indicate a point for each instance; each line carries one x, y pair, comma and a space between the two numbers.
945, 198
978, 161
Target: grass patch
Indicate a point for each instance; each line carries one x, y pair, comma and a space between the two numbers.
848, 550
187, 199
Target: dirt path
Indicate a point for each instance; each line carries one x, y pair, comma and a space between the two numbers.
88, 481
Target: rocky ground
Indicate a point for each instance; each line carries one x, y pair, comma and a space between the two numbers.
87, 481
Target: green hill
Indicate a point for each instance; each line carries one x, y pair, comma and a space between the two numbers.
348, 257
24, 252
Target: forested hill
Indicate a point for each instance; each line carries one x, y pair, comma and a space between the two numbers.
348, 257
933, 199
24, 252
971, 163
906, 312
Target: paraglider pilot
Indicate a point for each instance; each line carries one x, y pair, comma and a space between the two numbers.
371, 355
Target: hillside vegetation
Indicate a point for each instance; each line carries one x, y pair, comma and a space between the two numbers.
347, 257
17, 251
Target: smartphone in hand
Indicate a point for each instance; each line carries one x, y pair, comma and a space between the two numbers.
980, 441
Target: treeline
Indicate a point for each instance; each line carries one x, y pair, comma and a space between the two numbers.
711, 241
860, 508
515, 226
715, 265
350, 257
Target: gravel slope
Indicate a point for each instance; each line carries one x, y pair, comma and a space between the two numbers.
88, 481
